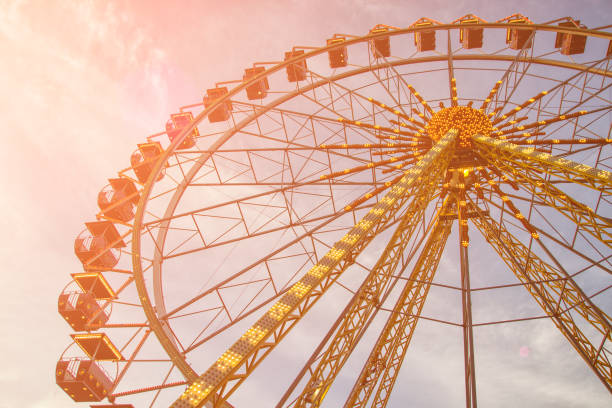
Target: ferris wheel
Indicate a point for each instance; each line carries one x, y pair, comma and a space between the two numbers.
298, 219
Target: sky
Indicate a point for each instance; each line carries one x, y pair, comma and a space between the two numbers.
83, 82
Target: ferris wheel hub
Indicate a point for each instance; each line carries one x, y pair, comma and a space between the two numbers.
467, 120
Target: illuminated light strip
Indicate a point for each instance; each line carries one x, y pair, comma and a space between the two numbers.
363, 146
542, 122
502, 176
420, 98
479, 191
402, 124
375, 127
491, 114
416, 122
100, 337
401, 165
520, 136
372, 193
417, 147
202, 389
510, 122
454, 92
370, 165
520, 107
413, 137
529, 153
485, 103
464, 237
563, 141
515, 211
446, 183
388, 108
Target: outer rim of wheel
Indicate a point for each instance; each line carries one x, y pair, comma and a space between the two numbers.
152, 309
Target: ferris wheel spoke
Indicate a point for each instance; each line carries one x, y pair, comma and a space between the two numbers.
354, 98
401, 85
559, 87
388, 353
363, 129
397, 109
517, 133
526, 225
555, 298
583, 217
511, 78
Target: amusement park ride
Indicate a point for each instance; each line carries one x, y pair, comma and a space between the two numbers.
342, 170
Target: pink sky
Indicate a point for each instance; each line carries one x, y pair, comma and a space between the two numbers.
83, 82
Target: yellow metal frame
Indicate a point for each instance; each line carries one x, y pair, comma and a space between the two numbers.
388, 353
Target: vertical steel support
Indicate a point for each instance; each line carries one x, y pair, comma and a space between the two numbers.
468, 337
388, 353
466, 295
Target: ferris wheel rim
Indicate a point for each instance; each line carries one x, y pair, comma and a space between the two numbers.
158, 327
146, 190
158, 307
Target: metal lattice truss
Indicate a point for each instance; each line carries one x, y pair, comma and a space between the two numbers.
322, 200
